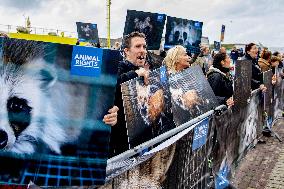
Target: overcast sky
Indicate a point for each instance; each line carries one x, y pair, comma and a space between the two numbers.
245, 20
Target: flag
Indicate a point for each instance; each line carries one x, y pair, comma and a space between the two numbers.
222, 33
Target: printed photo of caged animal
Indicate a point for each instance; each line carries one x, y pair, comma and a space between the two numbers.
186, 100
182, 33
150, 104
143, 26
29, 122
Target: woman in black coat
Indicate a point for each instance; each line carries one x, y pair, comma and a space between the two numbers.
251, 53
220, 80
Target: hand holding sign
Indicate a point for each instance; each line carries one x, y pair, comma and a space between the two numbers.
142, 72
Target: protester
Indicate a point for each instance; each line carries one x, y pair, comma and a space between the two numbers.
241, 52
193, 58
98, 45
251, 53
213, 54
116, 46
203, 59
220, 80
278, 54
275, 60
234, 55
264, 60
111, 117
78, 42
133, 66
281, 64
177, 59
223, 50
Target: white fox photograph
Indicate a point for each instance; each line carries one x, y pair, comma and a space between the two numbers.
50, 113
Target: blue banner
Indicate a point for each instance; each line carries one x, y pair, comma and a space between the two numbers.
86, 61
200, 134
221, 181
163, 76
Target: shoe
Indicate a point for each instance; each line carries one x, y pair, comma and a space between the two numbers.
266, 132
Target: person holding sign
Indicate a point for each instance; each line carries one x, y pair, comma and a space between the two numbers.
251, 53
133, 66
177, 59
220, 80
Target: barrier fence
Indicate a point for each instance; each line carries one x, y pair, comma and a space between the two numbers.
200, 153
179, 163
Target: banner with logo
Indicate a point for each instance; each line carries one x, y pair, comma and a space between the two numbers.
151, 24
55, 97
200, 134
87, 32
183, 32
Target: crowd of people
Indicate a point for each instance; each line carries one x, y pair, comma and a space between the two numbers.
216, 68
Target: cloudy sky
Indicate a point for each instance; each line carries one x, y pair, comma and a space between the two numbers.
245, 20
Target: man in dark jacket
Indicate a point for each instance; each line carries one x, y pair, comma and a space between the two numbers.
234, 55
133, 66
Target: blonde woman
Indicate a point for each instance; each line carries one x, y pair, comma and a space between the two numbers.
177, 59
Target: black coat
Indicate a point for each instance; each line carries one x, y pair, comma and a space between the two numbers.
221, 84
119, 138
257, 77
234, 54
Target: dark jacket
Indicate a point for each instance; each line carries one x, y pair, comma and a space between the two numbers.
281, 64
256, 78
221, 84
119, 138
234, 55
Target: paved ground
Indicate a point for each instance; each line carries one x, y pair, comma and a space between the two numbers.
263, 166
